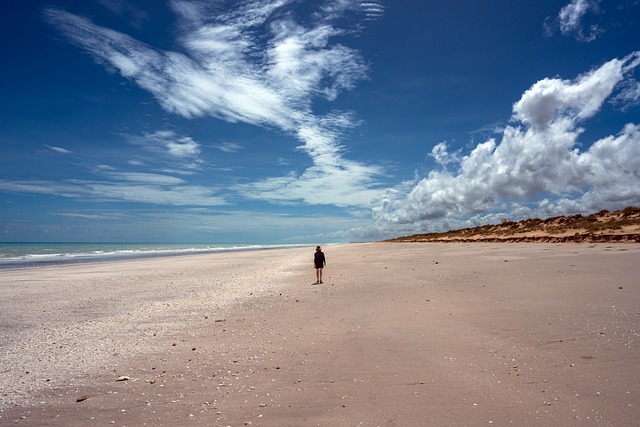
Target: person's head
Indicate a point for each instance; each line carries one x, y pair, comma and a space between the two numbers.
318, 249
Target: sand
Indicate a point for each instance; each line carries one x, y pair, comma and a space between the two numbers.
408, 334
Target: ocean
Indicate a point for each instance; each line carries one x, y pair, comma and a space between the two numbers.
25, 255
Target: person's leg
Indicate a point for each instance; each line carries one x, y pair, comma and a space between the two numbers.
320, 275
317, 275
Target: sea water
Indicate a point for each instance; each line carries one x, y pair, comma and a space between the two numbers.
24, 255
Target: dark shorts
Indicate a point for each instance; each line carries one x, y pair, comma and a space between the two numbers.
319, 265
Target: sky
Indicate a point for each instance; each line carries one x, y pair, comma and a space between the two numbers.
300, 121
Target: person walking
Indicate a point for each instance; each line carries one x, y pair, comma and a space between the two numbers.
319, 261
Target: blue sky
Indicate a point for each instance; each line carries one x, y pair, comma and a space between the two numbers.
312, 121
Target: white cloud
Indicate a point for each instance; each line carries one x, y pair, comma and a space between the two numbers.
124, 9
571, 16
179, 195
331, 180
537, 158
58, 149
185, 147
227, 70
99, 216
223, 225
102, 167
229, 147
552, 99
37, 187
112, 185
126, 187
177, 150
570, 21
145, 178
372, 9
628, 98
342, 184
442, 156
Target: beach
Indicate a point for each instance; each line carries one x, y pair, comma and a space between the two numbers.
399, 334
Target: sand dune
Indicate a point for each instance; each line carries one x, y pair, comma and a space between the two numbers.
621, 226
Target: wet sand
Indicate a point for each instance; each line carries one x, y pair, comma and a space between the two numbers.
408, 334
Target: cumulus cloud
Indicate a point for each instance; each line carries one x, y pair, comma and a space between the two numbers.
225, 70
535, 166
552, 99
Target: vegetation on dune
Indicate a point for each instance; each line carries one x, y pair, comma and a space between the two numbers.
622, 225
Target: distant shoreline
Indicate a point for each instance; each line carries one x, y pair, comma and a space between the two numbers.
37, 254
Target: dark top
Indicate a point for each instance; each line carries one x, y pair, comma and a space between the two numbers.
318, 259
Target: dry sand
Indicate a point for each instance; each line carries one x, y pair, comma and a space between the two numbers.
398, 335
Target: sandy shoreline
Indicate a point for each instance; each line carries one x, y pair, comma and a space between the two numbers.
399, 334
